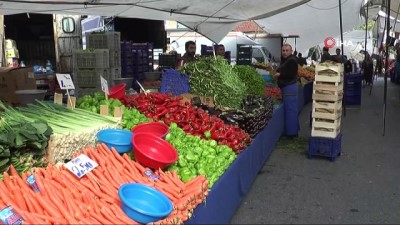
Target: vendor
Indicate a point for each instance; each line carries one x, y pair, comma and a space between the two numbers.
325, 55
220, 50
189, 56
287, 82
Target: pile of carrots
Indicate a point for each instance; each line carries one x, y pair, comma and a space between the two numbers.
93, 199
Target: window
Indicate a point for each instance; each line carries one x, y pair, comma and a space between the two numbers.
257, 55
68, 25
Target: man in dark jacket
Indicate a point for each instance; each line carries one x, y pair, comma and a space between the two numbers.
325, 55
287, 81
189, 56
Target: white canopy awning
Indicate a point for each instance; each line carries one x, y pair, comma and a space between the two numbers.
211, 18
314, 21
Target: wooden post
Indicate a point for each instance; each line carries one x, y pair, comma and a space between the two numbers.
71, 103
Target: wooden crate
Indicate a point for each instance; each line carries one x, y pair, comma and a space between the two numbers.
328, 86
327, 110
325, 123
331, 73
325, 132
328, 96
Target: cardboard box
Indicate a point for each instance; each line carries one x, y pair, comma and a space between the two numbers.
12, 79
12, 53
10, 44
209, 101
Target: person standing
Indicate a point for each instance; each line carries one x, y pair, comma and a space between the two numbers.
220, 50
189, 56
338, 57
302, 61
287, 82
367, 67
325, 55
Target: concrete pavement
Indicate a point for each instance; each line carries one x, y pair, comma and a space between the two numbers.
361, 187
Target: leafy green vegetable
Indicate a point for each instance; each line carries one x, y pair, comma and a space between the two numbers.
214, 77
251, 78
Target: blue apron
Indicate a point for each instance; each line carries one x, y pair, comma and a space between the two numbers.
290, 100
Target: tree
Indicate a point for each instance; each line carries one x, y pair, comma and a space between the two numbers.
370, 25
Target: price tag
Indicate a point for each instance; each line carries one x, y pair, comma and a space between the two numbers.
104, 85
65, 81
32, 182
81, 165
152, 176
9, 217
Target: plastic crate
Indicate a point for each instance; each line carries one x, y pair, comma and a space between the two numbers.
353, 100
325, 147
126, 46
115, 73
108, 40
98, 58
168, 60
353, 92
90, 78
174, 82
115, 59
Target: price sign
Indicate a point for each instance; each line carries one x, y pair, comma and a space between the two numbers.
9, 217
81, 165
104, 85
65, 81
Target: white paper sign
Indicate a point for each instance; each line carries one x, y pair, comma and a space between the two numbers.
104, 85
81, 165
65, 81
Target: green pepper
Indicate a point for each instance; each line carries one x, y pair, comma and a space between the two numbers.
182, 162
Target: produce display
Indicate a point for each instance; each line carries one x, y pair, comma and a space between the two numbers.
192, 120
92, 103
132, 117
308, 72
72, 129
198, 156
274, 92
214, 77
254, 115
24, 135
251, 78
62, 198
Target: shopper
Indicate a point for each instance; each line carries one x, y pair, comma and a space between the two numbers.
348, 66
325, 55
367, 68
287, 82
338, 57
220, 50
302, 61
189, 56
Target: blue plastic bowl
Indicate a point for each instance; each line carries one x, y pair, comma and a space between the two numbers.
120, 139
144, 204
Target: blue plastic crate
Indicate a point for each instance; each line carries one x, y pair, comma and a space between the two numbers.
353, 100
174, 82
325, 147
353, 92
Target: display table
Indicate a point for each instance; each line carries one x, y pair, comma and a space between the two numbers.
353, 87
307, 92
227, 193
300, 97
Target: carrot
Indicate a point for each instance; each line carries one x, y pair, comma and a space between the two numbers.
19, 198
7, 181
24, 176
29, 203
39, 182
12, 170
93, 180
100, 218
48, 206
113, 172
120, 214
117, 156
172, 182
138, 166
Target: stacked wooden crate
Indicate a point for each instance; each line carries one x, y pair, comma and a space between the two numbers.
327, 101
327, 97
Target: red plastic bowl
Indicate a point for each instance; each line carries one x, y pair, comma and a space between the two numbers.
152, 151
156, 128
117, 91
